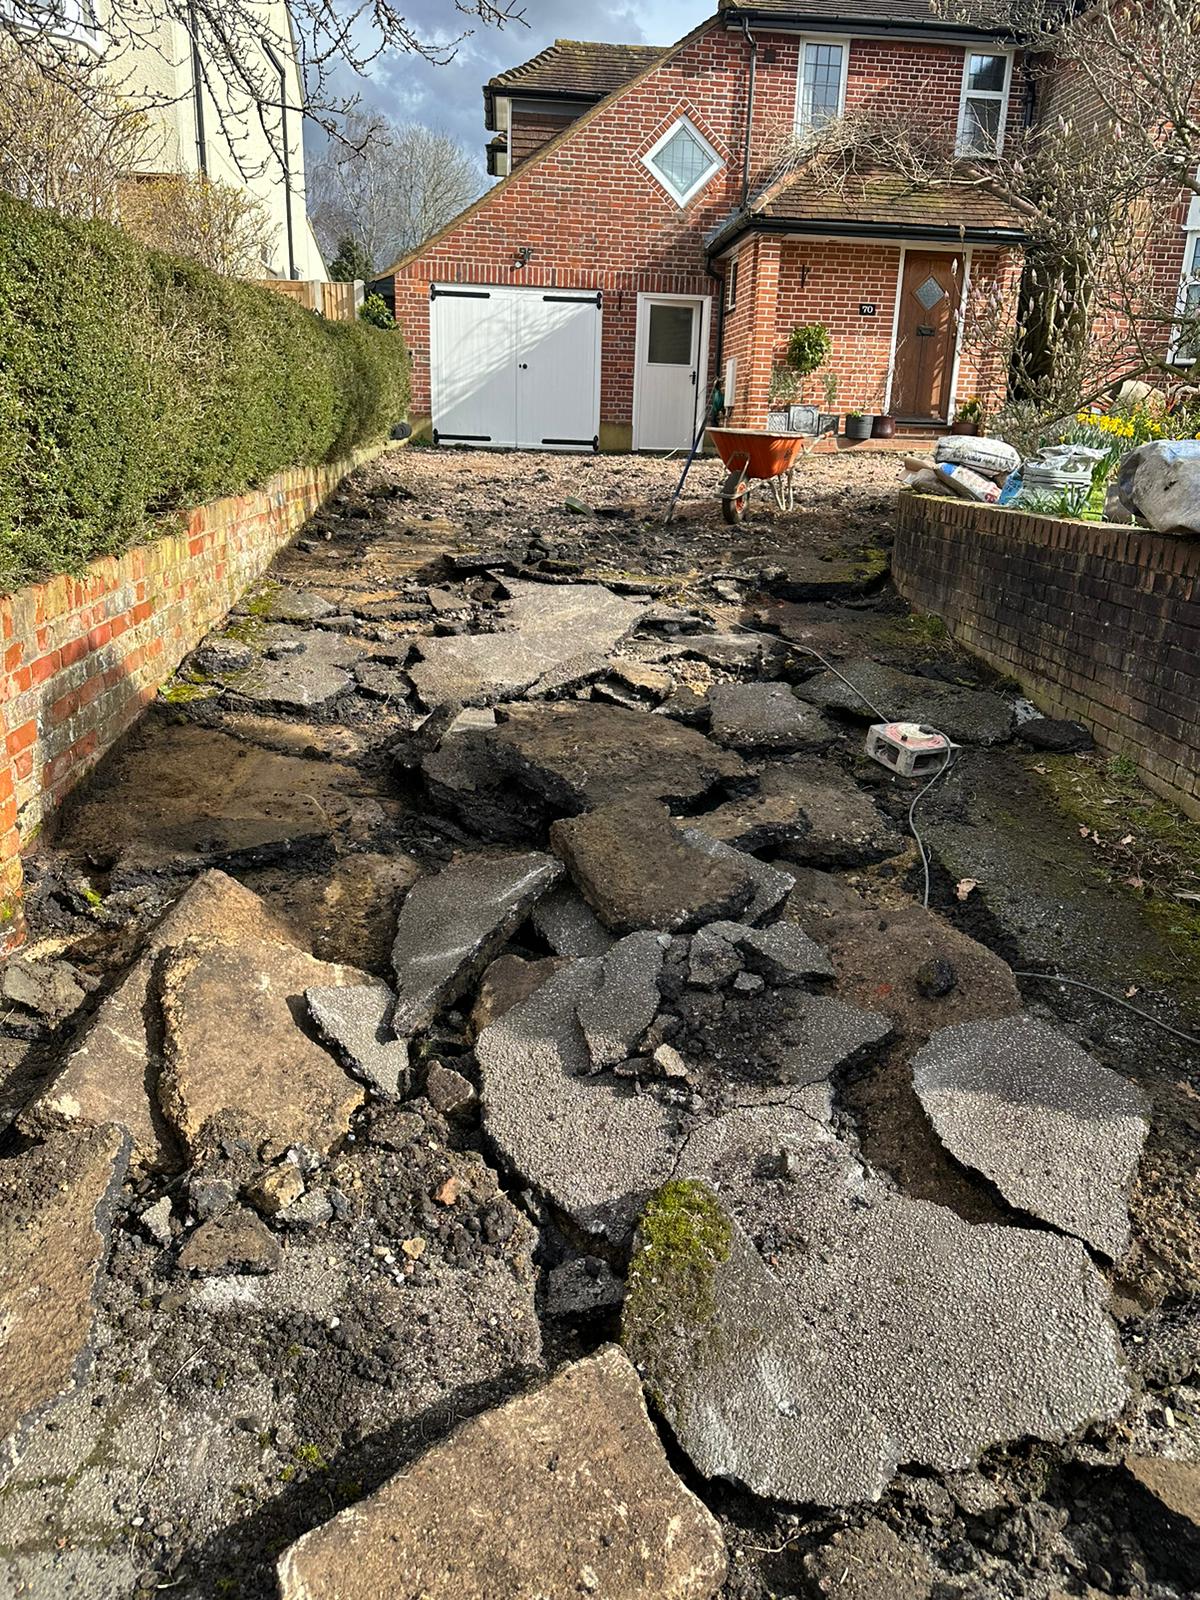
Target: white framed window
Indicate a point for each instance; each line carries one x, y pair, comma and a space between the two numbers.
73, 20
683, 161
1185, 349
821, 83
983, 104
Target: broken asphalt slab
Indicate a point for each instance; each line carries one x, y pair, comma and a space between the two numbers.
577, 755
1059, 1135
356, 1022
967, 716
299, 669
637, 871
563, 1491
590, 1145
547, 627
237, 1059
56, 1208
765, 719
800, 814
452, 923
616, 1015
111, 1077
884, 1331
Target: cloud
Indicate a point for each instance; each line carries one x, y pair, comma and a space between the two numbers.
450, 97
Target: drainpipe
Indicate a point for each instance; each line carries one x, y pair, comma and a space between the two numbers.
285, 155
753, 43
198, 90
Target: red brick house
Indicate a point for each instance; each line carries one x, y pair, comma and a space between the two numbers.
646, 242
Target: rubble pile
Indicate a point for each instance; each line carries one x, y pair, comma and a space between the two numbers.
298, 1230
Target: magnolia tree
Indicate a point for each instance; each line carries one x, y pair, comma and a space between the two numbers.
1111, 155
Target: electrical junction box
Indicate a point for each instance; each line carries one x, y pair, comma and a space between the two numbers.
908, 749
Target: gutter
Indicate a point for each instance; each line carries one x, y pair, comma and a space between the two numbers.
198, 90
753, 43
827, 229
851, 22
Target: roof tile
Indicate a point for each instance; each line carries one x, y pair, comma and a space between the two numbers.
577, 67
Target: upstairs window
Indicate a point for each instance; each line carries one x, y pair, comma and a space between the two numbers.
821, 92
683, 161
1185, 344
983, 104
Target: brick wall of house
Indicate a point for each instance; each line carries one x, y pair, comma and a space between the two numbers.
1096, 622
83, 656
594, 216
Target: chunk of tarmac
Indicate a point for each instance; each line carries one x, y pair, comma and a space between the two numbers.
1059, 1135
563, 1491
452, 923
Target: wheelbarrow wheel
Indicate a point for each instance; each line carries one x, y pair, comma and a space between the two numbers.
735, 496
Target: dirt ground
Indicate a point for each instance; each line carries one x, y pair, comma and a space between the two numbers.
214, 1429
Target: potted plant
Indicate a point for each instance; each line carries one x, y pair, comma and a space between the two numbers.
968, 418
859, 424
884, 426
828, 420
781, 391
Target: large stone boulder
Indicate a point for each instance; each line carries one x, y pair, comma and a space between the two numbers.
564, 1491
1160, 483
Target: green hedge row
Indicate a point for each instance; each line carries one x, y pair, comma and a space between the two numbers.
134, 385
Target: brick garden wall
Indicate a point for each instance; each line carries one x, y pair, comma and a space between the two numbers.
1097, 622
83, 656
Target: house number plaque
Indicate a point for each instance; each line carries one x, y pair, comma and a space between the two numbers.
866, 308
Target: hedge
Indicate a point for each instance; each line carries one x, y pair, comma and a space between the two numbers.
134, 385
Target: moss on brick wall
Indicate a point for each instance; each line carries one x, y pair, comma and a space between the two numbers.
134, 386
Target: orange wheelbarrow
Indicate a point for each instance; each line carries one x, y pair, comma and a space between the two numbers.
751, 454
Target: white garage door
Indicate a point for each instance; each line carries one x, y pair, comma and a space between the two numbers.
518, 368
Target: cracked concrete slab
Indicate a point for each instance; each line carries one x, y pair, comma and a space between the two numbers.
565, 1490
1059, 1135
111, 1075
771, 884
617, 1013
548, 626
56, 1205
569, 925
765, 719
881, 1332
581, 754
593, 1147
237, 1058
452, 923
356, 1022
638, 871
800, 814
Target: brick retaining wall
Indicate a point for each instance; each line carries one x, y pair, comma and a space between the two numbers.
83, 656
1097, 622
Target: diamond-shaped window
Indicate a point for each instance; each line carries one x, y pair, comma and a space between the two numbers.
930, 292
684, 161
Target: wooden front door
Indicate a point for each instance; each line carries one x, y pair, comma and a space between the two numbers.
925, 335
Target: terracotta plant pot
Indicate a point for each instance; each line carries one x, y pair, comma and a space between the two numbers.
859, 427
966, 427
884, 428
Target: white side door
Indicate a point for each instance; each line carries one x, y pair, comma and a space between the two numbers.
558, 369
672, 353
472, 365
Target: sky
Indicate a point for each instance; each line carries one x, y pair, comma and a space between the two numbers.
450, 98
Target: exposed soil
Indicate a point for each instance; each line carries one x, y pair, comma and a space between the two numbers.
224, 1416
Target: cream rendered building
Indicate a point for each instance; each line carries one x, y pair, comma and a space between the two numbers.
248, 133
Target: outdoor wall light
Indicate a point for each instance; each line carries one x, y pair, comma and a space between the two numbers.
524, 254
